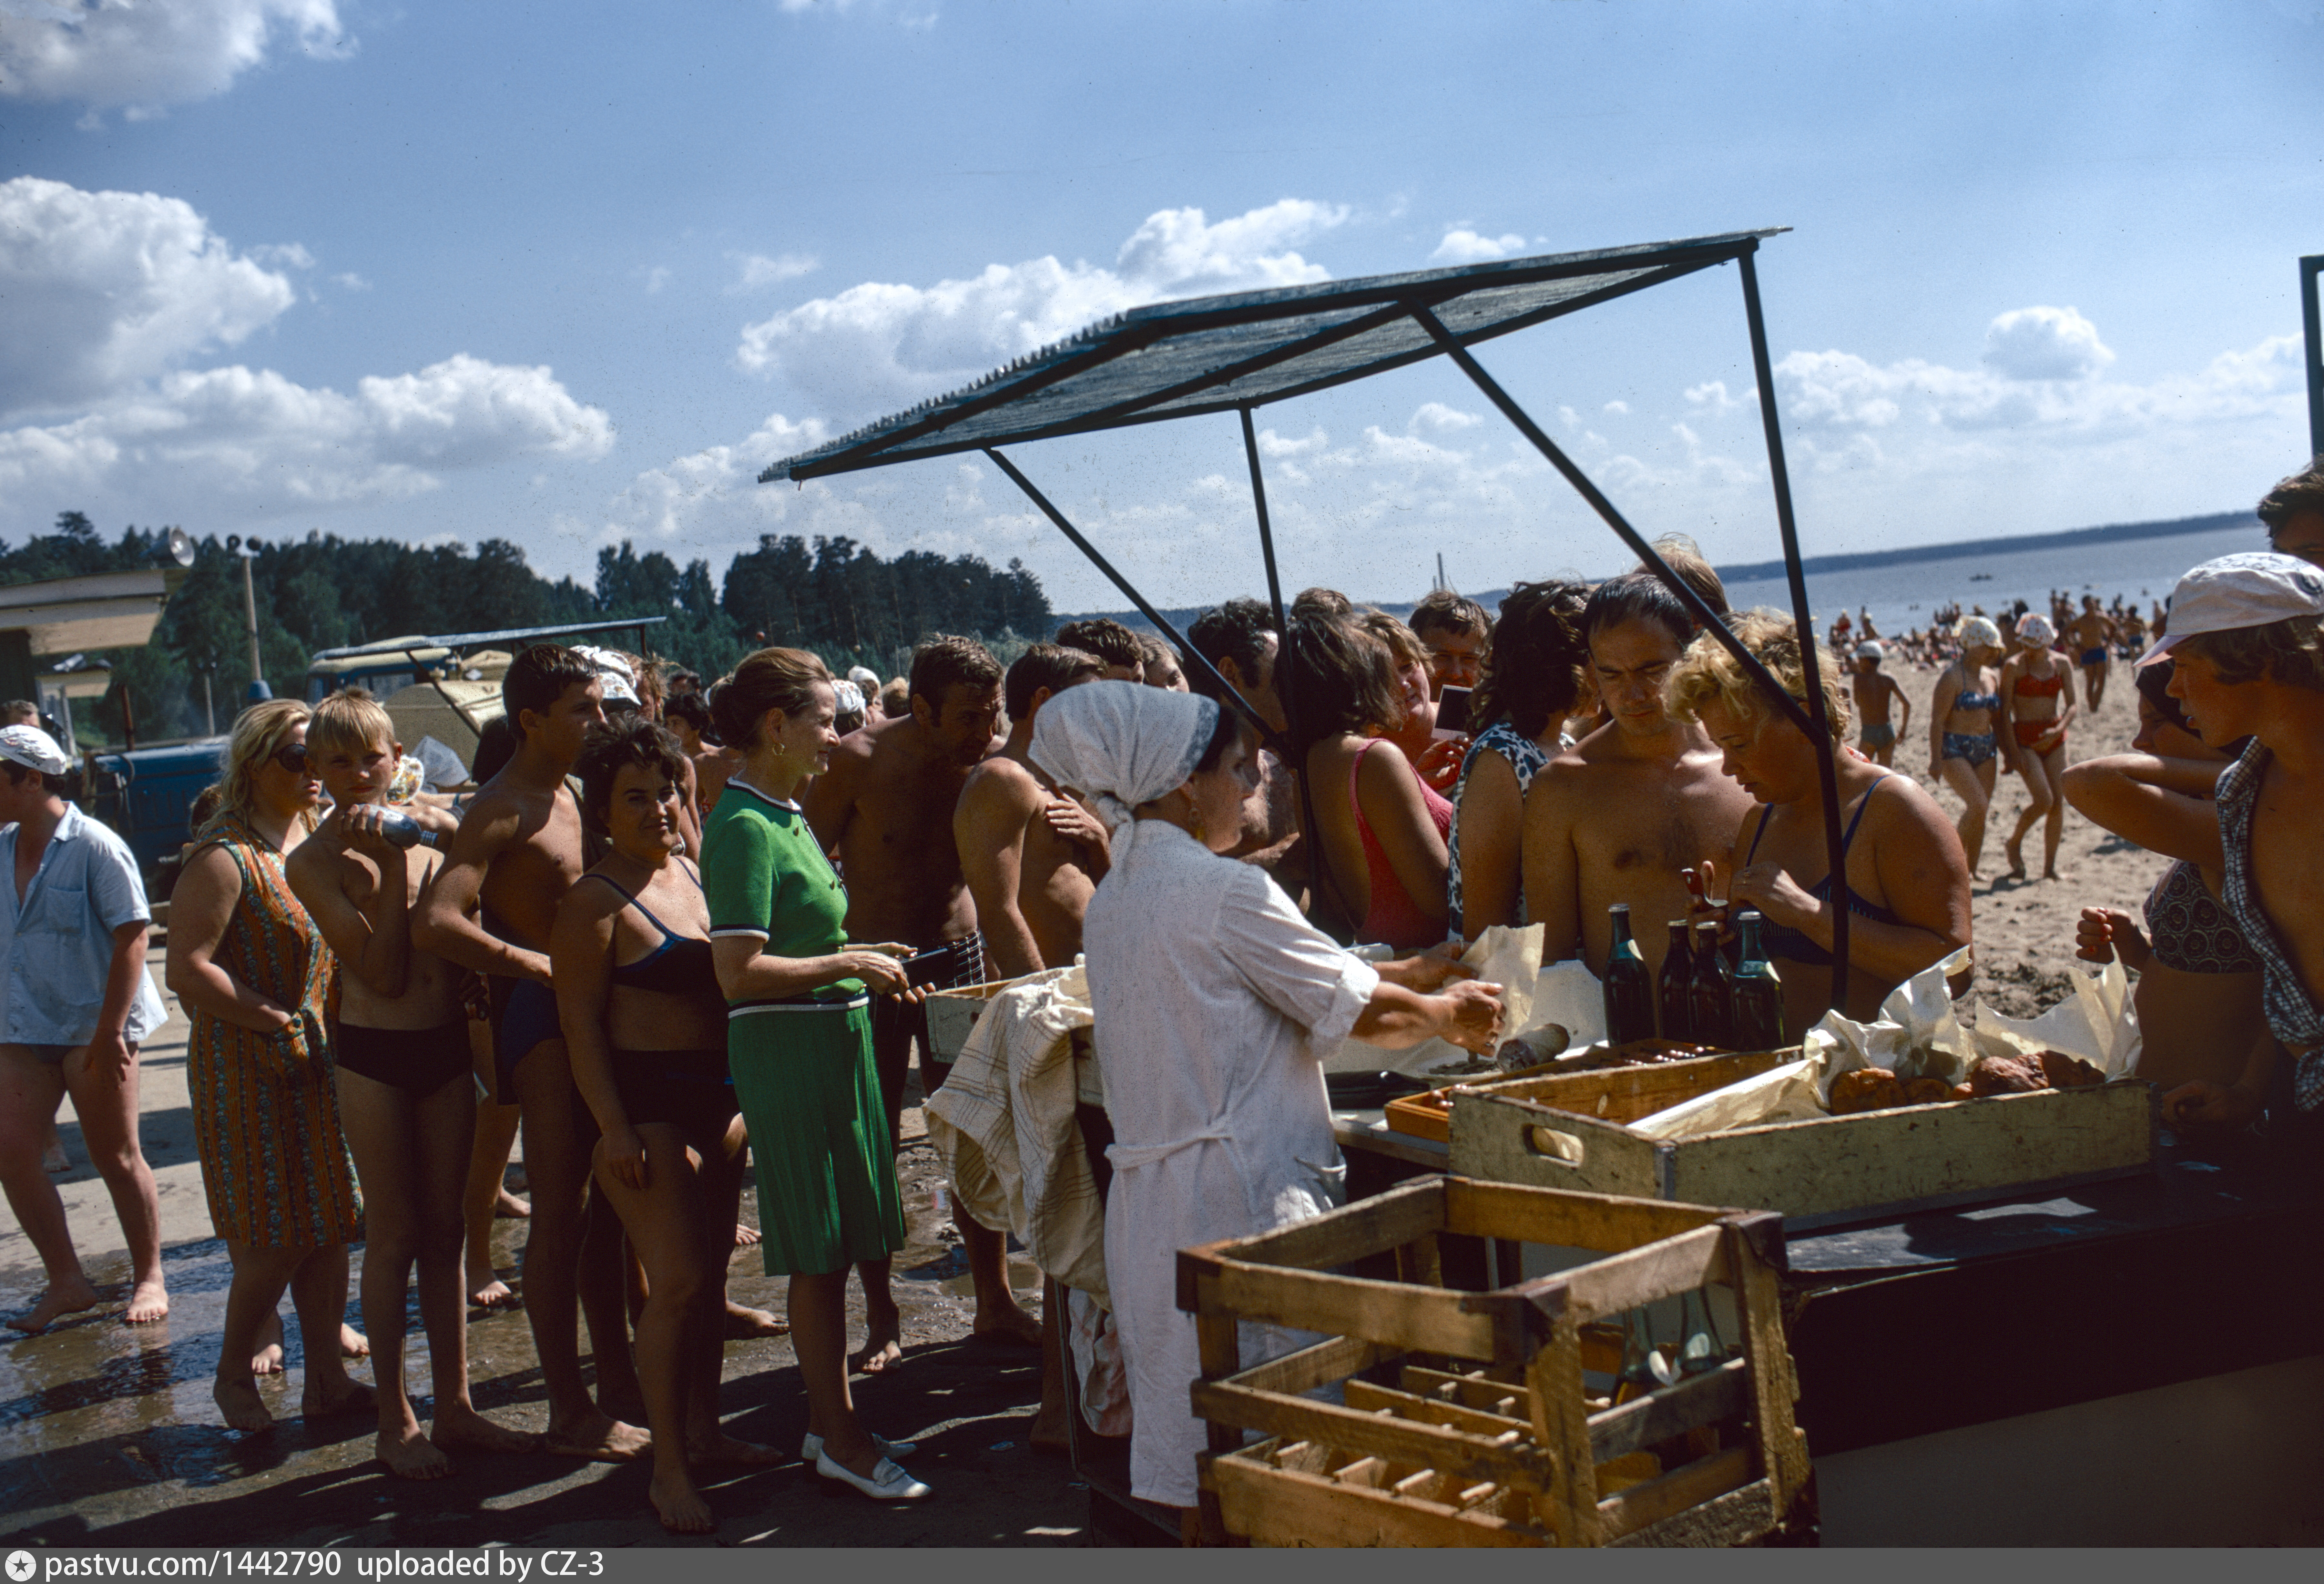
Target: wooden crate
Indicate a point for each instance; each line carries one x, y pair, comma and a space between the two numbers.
1573, 1132
1626, 1092
1467, 1418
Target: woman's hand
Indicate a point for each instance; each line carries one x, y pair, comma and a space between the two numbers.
881, 969
1430, 970
2205, 1104
1475, 1020
1072, 822
2103, 934
1439, 764
1770, 889
623, 1153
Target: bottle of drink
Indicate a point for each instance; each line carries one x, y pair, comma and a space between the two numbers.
1714, 990
1757, 1021
1675, 988
1629, 988
402, 831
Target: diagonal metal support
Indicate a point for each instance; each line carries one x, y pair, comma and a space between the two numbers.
1227, 695
1811, 720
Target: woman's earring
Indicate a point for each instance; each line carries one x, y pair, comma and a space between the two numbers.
1194, 816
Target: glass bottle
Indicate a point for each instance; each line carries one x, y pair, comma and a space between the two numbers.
1714, 990
1675, 988
1757, 1019
1628, 988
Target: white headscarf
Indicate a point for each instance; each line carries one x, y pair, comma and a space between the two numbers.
1121, 743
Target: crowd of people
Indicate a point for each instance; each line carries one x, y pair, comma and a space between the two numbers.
695, 927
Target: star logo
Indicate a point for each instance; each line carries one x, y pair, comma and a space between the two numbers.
20, 1565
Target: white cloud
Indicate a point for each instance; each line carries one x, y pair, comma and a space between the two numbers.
657, 278
1464, 246
145, 54
108, 287
880, 345
2044, 343
351, 282
714, 493
754, 271
1435, 415
1621, 408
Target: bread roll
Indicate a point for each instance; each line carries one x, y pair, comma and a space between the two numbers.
2065, 1072
1927, 1091
1867, 1088
2007, 1075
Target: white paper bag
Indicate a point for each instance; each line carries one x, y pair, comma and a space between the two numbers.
1916, 1035
1787, 1094
2098, 1023
1510, 958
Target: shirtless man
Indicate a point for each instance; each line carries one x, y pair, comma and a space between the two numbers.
1624, 813
1116, 647
1032, 856
1239, 637
2091, 637
1456, 633
491, 910
688, 716
1875, 693
2293, 513
885, 808
406, 1096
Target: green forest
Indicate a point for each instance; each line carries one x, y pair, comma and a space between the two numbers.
832, 595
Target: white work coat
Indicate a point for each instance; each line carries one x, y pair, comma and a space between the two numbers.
1214, 1004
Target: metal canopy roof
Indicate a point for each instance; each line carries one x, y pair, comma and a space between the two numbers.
1218, 353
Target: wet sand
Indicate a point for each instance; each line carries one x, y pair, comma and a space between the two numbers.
108, 1435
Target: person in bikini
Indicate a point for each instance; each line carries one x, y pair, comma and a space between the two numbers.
491, 910
406, 1094
2037, 706
1962, 746
2093, 636
1876, 693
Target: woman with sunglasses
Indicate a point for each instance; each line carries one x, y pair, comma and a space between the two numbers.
261, 989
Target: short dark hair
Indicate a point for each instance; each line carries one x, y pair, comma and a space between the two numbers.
55, 786
495, 746
631, 740
1533, 674
1321, 602
20, 706
1684, 557
2153, 682
1636, 596
2303, 492
2290, 652
1454, 613
1052, 666
1237, 630
1230, 726
1334, 677
688, 707
1113, 643
944, 662
539, 678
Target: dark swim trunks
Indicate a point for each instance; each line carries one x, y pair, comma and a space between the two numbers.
525, 1016
417, 1061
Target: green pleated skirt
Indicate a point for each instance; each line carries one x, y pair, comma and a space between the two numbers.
819, 1142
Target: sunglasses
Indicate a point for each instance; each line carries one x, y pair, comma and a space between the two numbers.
291, 756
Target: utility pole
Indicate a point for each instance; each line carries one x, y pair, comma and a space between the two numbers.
2310, 268
259, 691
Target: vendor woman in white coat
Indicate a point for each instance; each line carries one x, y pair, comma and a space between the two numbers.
1215, 1003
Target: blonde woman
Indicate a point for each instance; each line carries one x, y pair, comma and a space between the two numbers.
261, 990
1906, 888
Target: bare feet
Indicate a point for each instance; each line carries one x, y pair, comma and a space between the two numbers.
410, 1455
487, 1291
1012, 1325
2016, 858
320, 1400
268, 1359
746, 1324
352, 1344
624, 1403
54, 1159
1052, 1431
508, 1207
239, 1403
679, 1505
599, 1439
459, 1425
148, 1301
745, 1236
62, 1298
725, 1451
883, 1346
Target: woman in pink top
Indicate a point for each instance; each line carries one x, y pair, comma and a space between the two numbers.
1382, 842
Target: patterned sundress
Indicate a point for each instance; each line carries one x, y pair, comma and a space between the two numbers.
275, 1165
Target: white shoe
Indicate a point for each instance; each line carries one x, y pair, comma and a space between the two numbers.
811, 1447
888, 1483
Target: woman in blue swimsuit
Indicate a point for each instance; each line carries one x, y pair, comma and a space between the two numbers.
1963, 745
1906, 884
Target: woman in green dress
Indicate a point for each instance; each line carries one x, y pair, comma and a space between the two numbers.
799, 1040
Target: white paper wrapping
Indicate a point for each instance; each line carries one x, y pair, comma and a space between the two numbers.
1510, 958
2097, 1023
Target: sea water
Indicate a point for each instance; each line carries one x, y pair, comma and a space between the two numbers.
1908, 595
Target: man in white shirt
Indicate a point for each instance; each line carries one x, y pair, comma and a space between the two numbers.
77, 1004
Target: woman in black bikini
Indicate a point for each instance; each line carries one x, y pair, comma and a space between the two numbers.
2037, 706
645, 1025
1963, 745
1906, 884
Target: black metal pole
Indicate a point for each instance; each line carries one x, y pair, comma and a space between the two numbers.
1265, 529
1827, 741
2310, 268
1227, 695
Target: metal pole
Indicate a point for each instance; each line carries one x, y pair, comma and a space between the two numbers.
2310, 268
1227, 695
1827, 746
250, 613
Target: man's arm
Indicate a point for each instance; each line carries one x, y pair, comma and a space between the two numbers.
2157, 803
1897, 696
987, 827
1553, 872
447, 923
109, 1045
373, 940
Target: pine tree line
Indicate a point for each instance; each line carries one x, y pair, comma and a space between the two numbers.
832, 595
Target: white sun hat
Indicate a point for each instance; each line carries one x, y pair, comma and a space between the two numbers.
2250, 588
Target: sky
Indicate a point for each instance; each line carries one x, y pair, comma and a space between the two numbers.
573, 274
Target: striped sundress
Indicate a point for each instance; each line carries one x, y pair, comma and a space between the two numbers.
266, 1108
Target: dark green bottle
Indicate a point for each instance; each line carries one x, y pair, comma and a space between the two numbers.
1757, 1020
1714, 990
1675, 988
1629, 988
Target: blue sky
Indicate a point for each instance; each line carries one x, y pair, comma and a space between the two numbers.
572, 273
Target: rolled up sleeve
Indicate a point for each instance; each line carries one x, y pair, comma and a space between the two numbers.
1290, 964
